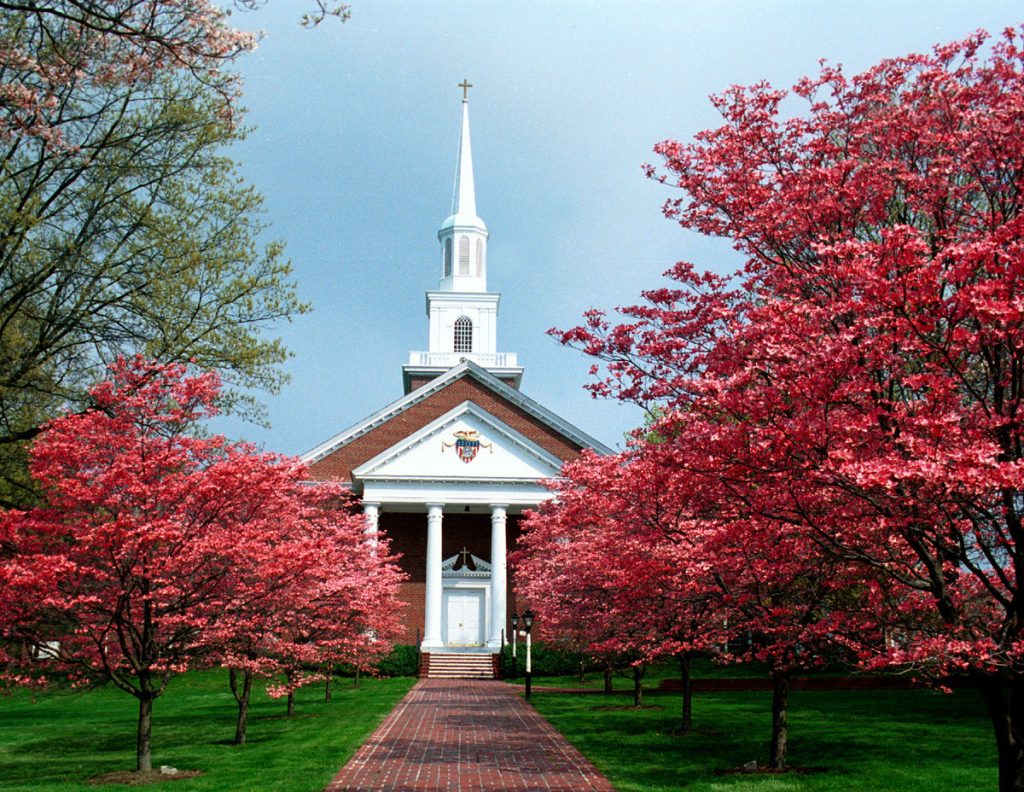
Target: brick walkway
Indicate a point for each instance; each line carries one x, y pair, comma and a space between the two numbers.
464, 735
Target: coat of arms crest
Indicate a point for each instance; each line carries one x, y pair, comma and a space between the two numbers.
467, 444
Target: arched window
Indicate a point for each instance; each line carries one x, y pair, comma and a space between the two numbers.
463, 255
463, 334
448, 257
479, 258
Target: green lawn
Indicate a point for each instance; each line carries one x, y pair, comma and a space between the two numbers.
850, 741
62, 738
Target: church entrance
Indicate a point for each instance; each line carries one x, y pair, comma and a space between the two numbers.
464, 614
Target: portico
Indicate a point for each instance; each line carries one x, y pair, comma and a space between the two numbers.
497, 471
464, 605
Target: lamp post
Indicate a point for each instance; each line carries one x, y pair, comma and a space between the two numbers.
528, 617
515, 640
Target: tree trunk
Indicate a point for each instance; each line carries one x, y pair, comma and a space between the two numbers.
684, 676
290, 677
242, 698
607, 680
638, 687
780, 701
356, 679
143, 756
583, 671
327, 685
1007, 716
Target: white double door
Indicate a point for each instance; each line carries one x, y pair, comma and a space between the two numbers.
464, 617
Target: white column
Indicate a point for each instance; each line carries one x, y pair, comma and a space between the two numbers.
432, 606
372, 512
498, 574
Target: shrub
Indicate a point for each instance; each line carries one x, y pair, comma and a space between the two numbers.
403, 660
546, 660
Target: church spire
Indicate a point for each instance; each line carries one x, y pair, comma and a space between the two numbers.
463, 235
464, 199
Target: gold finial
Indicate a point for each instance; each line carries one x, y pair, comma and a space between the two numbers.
465, 85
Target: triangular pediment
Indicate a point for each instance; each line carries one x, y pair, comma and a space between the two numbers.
465, 444
365, 432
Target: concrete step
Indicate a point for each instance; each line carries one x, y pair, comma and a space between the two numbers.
449, 665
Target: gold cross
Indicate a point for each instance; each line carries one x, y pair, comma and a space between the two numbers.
464, 555
465, 85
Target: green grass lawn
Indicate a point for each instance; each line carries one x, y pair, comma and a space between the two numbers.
62, 738
848, 741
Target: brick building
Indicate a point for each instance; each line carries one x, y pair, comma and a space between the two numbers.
446, 470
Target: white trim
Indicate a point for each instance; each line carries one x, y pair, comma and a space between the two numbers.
450, 480
464, 369
408, 497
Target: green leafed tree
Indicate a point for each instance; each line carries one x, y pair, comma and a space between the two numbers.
124, 226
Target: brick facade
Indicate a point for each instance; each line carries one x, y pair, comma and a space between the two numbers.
420, 381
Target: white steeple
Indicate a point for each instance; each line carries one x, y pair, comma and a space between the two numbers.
463, 315
463, 235
464, 198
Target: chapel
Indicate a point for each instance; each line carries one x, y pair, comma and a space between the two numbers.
447, 469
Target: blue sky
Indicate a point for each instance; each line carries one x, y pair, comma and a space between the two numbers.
355, 134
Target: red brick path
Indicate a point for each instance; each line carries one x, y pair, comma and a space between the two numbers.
464, 735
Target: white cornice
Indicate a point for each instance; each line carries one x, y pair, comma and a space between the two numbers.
453, 480
463, 297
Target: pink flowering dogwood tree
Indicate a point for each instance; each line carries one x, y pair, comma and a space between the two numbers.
336, 602
642, 555
155, 546
859, 383
607, 562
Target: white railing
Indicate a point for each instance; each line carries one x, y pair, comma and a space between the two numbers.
449, 359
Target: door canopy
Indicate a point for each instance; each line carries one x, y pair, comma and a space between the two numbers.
469, 566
